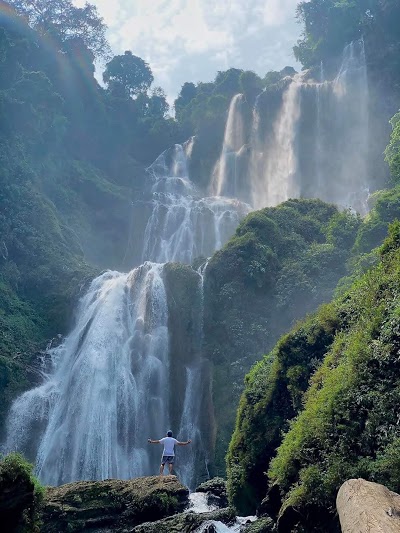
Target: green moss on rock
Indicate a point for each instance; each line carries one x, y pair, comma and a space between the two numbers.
111, 504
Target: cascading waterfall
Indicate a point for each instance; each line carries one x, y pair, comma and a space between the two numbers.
105, 390
107, 387
316, 146
226, 172
183, 224
281, 161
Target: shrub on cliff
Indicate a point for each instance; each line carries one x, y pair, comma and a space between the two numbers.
344, 420
20, 495
282, 263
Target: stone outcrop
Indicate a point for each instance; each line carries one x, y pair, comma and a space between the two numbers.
367, 507
114, 505
186, 522
216, 492
17, 496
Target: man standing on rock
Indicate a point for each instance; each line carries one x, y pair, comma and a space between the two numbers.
168, 455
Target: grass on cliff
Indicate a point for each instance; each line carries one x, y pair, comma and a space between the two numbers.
349, 426
344, 421
22, 495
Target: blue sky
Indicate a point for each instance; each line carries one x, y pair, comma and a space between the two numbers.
190, 40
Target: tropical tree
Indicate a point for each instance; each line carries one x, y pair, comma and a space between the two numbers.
64, 22
127, 75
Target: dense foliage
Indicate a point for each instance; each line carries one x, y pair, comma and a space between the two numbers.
329, 25
282, 263
20, 495
335, 376
349, 425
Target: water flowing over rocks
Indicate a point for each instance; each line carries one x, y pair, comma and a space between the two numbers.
188, 522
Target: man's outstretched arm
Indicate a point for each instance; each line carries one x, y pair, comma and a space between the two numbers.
184, 443
150, 441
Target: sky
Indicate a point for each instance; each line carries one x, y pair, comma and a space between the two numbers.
190, 40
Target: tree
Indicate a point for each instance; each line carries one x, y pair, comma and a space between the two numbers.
392, 152
227, 82
250, 84
154, 106
127, 75
64, 22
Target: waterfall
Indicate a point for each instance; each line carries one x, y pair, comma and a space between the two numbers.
317, 146
105, 393
226, 172
281, 160
107, 388
183, 224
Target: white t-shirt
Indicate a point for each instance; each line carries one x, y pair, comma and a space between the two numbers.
169, 446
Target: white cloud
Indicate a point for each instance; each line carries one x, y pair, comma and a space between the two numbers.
189, 40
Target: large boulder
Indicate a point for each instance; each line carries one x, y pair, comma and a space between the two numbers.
112, 504
365, 506
187, 522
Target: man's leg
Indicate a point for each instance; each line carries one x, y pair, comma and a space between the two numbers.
170, 466
162, 469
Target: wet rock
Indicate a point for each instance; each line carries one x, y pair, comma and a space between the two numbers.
187, 522
262, 525
271, 504
216, 492
112, 505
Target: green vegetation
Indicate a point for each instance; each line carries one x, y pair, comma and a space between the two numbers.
393, 150
348, 427
335, 378
282, 263
329, 25
20, 495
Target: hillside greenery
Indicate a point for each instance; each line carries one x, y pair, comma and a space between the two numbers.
324, 398
282, 263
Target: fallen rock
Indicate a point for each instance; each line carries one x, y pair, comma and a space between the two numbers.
186, 522
112, 505
364, 506
216, 492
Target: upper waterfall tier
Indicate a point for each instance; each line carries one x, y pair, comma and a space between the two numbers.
307, 139
183, 225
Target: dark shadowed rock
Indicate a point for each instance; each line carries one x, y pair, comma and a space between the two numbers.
216, 491
186, 522
262, 525
112, 505
17, 498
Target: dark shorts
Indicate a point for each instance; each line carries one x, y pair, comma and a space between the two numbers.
167, 459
